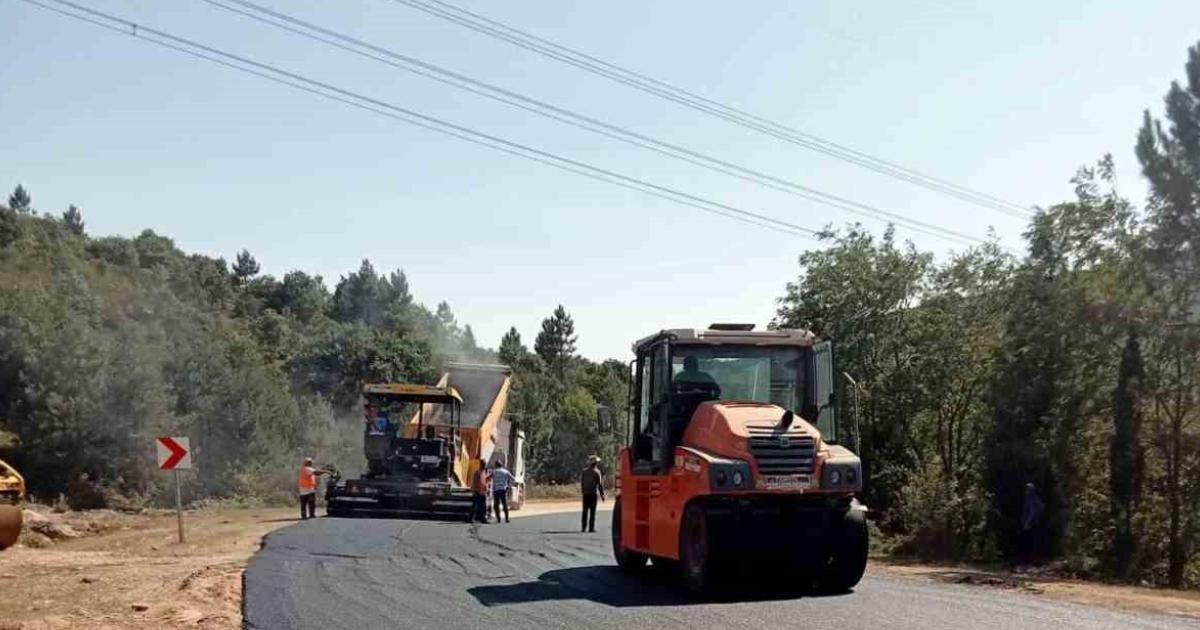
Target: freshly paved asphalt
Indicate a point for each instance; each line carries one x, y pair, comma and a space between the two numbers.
540, 572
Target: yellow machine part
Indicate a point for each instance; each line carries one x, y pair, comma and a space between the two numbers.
10, 525
472, 440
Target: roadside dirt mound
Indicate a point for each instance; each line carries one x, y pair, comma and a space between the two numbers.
129, 571
44, 527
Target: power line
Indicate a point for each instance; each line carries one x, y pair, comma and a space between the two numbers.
667, 91
354, 99
394, 59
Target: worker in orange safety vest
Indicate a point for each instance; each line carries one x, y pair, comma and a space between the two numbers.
308, 489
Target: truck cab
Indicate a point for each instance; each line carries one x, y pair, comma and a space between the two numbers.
732, 456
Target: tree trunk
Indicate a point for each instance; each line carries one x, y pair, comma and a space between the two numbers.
1175, 552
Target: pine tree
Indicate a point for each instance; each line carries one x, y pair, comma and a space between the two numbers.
445, 317
245, 267
511, 349
73, 219
20, 201
396, 303
399, 292
1170, 160
1125, 454
556, 342
467, 340
356, 297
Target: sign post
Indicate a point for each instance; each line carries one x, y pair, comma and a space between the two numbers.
178, 506
175, 454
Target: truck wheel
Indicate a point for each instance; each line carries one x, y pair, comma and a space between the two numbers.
848, 558
629, 561
696, 557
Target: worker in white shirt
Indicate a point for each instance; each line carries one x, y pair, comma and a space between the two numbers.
501, 480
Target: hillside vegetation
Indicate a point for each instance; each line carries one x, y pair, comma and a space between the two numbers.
106, 343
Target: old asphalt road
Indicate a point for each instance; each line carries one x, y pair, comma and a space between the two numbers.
540, 572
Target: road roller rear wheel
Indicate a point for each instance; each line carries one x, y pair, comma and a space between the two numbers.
10, 525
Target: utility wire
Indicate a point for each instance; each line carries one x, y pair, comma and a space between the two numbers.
326, 90
667, 91
397, 60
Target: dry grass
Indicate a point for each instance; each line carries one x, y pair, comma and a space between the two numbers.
1119, 597
541, 492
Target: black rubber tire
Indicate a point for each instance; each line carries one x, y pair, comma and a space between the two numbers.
664, 566
696, 553
629, 561
10, 525
848, 557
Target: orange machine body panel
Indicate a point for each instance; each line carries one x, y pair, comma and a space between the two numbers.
652, 505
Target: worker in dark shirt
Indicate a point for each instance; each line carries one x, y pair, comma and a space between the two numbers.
692, 375
591, 484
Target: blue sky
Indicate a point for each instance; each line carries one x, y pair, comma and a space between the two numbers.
1008, 98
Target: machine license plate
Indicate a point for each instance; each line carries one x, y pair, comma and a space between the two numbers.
784, 482
430, 459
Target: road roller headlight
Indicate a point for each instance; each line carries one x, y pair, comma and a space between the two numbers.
843, 473
728, 475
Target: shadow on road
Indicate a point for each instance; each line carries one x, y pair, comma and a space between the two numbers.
608, 585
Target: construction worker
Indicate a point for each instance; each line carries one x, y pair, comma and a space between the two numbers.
308, 488
501, 480
591, 484
1029, 540
692, 375
479, 489
377, 441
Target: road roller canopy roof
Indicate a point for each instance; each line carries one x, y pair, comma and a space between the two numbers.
731, 334
406, 392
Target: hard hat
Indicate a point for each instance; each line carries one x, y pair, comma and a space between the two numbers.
593, 459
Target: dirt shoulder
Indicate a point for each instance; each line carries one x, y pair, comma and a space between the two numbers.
128, 571
1112, 596
111, 570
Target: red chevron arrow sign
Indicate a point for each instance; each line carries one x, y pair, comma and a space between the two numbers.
174, 453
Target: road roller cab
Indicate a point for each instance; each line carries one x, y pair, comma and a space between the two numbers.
732, 461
